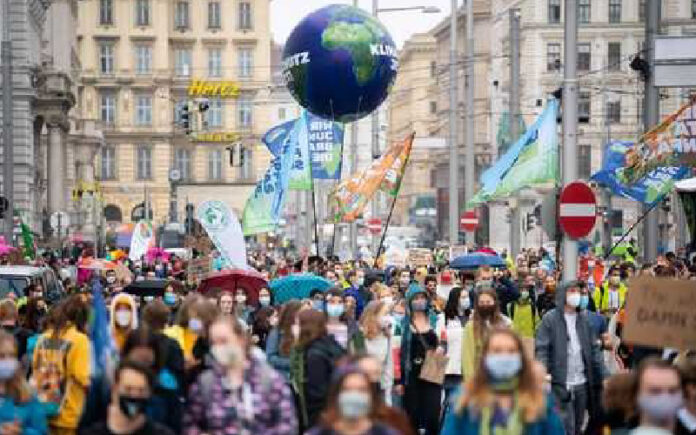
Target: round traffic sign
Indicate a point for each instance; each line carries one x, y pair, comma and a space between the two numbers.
577, 210
374, 225
468, 222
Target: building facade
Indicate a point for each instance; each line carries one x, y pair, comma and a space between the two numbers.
144, 64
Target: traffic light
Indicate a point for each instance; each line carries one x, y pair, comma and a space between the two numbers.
185, 118
238, 149
242, 155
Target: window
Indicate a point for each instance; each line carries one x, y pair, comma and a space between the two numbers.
181, 16
433, 69
215, 62
143, 110
433, 107
693, 8
614, 11
282, 113
108, 162
614, 56
178, 106
142, 12
106, 12
554, 11
143, 59
214, 114
106, 58
214, 15
584, 161
244, 112
614, 112
182, 162
215, 164
108, 109
584, 56
245, 15
553, 56
144, 162
641, 10
584, 101
245, 59
182, 62
583, 11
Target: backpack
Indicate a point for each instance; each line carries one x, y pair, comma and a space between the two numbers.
511, 311
49, 377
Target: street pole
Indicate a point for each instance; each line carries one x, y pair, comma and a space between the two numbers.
469, 168
353, 229
570, 125
606, 192
514, 121
651, 117
453, 220
7, 115
375, 144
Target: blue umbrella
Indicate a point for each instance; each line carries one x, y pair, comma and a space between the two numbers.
297, 286
476, 260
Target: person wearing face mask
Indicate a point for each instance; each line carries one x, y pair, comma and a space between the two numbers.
686, 417
265, 298
262, 326
374, 338
357, 291
485, 317
611, 295
172, 300
110, 279
351, 407
658, 397
457, 314
242, 310
312, 365
240, 393
123, 317
338, 324
569, 350
505, 289
421, 398
281, 338
523, 313
505, 396
20, 412
130, 395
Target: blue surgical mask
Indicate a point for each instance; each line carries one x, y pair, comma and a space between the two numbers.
170, 299
398, 318
584, 302
334, 310
265, 301
318, 305
503, 367
195, 325
419, 305
8, 368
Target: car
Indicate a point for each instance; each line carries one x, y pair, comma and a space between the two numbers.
17, 278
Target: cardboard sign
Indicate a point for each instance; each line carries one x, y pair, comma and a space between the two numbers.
457, 251
420, 257
198, 268
661, 313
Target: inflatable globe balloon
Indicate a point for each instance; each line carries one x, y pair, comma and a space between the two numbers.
340, 63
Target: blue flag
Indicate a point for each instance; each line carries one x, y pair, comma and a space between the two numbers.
99, 332
647, 189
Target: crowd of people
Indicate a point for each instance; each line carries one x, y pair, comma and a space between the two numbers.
413, 350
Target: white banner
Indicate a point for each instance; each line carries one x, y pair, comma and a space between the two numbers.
224, 231
143, 238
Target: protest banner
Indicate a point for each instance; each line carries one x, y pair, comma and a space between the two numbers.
420, 257
457, 251
198, 268
661, 313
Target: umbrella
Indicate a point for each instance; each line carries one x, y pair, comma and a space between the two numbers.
476, 260
6, 249
248, 280
297, 286
153, 287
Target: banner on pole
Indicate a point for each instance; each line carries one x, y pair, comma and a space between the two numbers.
143, 239
349, 198
651, 187
531, 161
224, 230
672, 143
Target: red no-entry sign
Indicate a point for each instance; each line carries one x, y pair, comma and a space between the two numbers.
469, 221
374, 225
577, 209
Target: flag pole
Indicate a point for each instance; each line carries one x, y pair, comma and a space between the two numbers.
314, 210
391, 209
340, 168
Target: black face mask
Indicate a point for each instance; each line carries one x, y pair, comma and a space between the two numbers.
132, 407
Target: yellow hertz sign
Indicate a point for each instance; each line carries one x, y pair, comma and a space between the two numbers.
215, 137
202, 88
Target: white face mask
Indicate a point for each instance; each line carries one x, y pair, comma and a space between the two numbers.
295, 331
123, 318
573, 299
240, 299
388, 300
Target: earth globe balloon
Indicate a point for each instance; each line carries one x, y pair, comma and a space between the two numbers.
340, 63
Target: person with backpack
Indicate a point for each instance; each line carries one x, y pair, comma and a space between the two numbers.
523, 313
240, 393
61, 365
20, 412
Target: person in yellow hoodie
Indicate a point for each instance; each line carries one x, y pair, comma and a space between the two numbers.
123, 318
61, 365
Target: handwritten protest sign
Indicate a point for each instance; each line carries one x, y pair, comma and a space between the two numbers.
198, 268
457, 251
661, 313
420, 257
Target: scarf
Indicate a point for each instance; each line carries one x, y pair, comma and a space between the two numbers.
514, 425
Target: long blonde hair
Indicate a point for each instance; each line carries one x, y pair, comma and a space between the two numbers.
369, 321
530, 394
17, 386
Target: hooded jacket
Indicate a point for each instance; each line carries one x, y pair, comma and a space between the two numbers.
551, 347
118, 334
405, 357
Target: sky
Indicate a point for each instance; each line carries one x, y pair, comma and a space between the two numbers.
286, 14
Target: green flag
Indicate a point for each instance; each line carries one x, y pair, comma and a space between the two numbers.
28, 240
